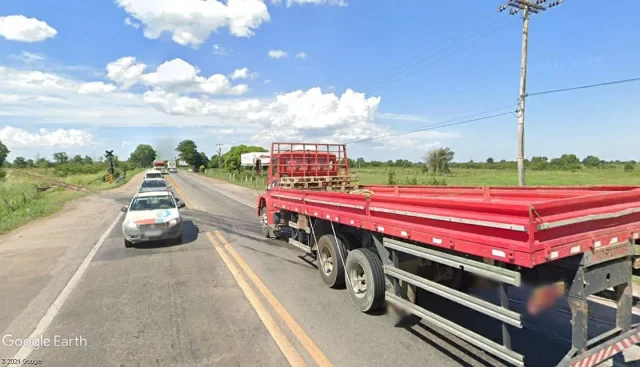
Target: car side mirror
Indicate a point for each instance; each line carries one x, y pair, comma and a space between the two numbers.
124, 209
181, 204
169, 186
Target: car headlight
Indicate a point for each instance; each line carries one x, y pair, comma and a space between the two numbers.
131, 225
173, 222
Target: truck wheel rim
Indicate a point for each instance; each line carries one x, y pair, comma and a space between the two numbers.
263, 219
327, 261
358, 281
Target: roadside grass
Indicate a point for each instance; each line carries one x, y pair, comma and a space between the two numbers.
22, 202
243, 179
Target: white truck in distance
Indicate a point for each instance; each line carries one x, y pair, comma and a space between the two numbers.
171, 165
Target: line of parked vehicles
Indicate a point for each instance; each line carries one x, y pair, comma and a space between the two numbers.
152, 214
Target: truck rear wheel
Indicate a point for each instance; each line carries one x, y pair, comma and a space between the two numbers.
366, 280
330, 264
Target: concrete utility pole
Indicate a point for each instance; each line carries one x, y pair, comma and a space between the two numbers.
527, 8
219, 155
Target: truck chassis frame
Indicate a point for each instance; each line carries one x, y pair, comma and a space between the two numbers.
586, 274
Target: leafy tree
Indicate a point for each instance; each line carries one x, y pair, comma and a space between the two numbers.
87, 160
4, 152
231, 160
629, 167
188, 151
60, 157
215, 161
490, 160
591, 161
20, 162
77, 159
361, 162
438, 160
143, 156
30, 163
42, 163
203, 160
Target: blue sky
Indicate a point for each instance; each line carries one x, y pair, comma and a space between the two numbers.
454, 59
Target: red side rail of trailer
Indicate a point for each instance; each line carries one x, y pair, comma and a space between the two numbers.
522, 226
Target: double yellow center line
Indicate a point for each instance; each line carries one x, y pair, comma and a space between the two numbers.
241, 271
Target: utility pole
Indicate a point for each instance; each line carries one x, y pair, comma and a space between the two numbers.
527, 7
219, 155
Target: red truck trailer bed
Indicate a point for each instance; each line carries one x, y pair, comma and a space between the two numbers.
525, 226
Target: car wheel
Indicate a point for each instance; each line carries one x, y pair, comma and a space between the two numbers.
128, 244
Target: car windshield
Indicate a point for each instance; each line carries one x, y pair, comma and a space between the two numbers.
154, 175
152, 203
154, 183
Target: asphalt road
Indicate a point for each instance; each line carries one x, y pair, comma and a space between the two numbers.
228, 297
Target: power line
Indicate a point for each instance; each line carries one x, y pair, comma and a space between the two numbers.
585, 86
398, 75
437, 125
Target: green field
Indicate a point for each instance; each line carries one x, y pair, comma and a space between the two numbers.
614, 175
503, 177
21, 201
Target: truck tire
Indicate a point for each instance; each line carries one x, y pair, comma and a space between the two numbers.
266, 231
366, 280
330, 264
128, 244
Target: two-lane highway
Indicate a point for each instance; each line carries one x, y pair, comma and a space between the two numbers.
229, 297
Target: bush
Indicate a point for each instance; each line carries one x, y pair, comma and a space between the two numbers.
434, 181
411, 181
3, 174
628, 167
391, 177
69, 169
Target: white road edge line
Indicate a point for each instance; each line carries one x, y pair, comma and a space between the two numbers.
64, 294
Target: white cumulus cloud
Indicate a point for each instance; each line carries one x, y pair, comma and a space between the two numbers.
190, 22
301, 55
131, 23
21, 28
219, 50
276, 54
16, 138
243, 74
125, 71
96, 87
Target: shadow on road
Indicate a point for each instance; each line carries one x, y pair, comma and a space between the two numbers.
189, 234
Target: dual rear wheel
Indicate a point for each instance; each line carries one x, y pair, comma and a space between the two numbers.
359, 269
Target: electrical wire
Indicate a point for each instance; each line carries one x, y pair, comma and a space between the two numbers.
584, 87
406, 71
440, 124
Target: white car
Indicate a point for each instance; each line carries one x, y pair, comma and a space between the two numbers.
152, 174
152, 216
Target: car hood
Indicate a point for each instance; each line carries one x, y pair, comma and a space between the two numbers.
152, 216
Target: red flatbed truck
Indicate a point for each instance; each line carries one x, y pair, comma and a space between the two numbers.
384, 242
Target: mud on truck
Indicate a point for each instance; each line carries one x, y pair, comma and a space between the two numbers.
385, 242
